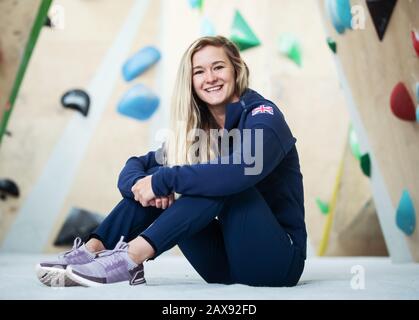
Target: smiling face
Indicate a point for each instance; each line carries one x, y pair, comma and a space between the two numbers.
213, 77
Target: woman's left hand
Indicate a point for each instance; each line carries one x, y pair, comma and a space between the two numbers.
143, 192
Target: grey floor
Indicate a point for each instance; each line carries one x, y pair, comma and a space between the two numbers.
171, 277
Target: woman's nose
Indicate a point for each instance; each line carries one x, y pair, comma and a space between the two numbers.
211, 77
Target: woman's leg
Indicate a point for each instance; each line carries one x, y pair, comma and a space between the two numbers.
128, 219
205, 251
245, 245
190, 222
259, 251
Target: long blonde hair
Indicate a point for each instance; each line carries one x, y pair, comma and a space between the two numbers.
189, 113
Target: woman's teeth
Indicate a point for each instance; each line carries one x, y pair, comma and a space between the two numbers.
214, 89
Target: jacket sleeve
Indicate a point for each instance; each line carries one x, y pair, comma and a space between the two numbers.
228, 176
136, 168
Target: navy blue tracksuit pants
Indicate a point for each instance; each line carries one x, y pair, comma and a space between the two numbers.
244, 244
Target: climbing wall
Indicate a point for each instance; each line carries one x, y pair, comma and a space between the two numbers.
93, 153
355, 229
16, 22
372, 60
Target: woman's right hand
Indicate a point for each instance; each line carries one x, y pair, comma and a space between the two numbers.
163, 202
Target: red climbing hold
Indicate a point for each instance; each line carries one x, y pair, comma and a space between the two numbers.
402, 104
415, 40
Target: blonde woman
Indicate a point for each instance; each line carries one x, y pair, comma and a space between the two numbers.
225, 187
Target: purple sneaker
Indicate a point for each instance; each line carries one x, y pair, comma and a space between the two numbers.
109, 267
52, 273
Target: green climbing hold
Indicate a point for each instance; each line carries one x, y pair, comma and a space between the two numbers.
290, 47
405, 215
196, 4
323, 206
332, 44
353, 142
241, 34
366, 164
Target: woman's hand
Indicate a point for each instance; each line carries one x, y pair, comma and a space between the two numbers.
163, 202
143, 191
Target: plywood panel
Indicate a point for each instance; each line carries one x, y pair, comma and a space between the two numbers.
372, 69
63, 59
356, 230
16, 21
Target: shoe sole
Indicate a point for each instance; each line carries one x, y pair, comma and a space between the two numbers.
53, 277
80, 280
85, 282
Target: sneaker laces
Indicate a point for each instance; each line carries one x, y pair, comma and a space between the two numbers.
114, 258
76, 244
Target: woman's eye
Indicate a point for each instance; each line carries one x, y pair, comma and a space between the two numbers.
218, 67
197, 72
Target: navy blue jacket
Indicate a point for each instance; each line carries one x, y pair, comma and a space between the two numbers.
279, 182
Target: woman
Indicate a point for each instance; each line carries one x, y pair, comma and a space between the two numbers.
238, 213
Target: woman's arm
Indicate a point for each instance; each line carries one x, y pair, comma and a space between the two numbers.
223, 179
135, 169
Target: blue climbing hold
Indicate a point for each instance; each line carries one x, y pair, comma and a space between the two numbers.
140, 62
340, 14
331, 10
405, 215
417, 114
343, 10
138, 103
207, 28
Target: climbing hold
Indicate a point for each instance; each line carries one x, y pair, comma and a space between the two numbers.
76, 99
366, 164
138, 103
353, 142
417, 114
207, 28
79, 223
417, 91
196, 4
241, 34
140, 62
48, 22
405, 214
340, 14
8, 188
330, 8
415, 40
402, 104
343, 10
290, 47
323, 206
332, 44
381, 12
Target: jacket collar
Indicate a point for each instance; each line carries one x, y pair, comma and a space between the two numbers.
234, 110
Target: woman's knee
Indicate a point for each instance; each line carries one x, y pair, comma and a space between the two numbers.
249, 200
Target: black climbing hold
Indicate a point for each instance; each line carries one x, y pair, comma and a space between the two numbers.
79, 223
8, 188
76, 99
381, 11
48, 22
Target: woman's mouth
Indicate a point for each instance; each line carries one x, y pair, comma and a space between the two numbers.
214, 89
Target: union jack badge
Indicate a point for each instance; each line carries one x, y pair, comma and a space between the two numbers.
262, 109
